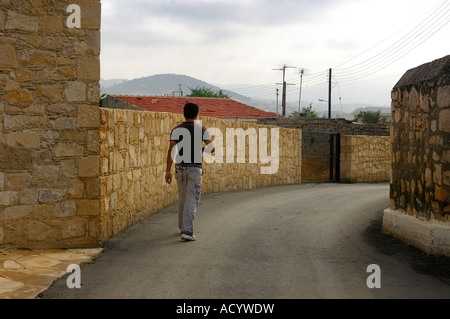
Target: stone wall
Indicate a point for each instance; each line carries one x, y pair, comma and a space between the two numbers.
421, 142
342, 126
365, 159
133, 149
420, 185
49, 124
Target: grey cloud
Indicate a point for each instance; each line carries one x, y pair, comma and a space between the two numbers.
260, 12
209, 21
135, 39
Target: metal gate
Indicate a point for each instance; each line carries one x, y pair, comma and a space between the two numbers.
321, 153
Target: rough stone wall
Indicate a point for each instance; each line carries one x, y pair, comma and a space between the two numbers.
241, 176
420, 184
365, 159
342, 126
49, 124
133, 152
133, 148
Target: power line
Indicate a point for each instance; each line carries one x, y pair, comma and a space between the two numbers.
399, 49
266, 89
371, 70
376, 45
424, 27
370, 80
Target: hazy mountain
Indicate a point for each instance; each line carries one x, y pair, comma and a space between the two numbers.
111, 82
160, 85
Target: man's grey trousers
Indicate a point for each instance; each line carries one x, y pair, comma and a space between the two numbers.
189, 180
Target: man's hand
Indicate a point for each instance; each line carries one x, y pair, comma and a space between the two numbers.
168, 178
169, 162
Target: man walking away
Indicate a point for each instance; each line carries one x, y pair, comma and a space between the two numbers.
188, 137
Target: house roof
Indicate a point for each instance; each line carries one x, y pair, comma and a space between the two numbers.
211, 107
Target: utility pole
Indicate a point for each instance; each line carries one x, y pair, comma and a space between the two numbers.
300, 94
284, 87
302, 73
277, 101
329, 95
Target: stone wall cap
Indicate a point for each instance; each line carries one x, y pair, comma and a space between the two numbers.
426, 72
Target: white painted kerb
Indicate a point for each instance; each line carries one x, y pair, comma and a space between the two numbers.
430, 237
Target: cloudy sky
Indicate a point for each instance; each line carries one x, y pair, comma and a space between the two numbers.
369, 44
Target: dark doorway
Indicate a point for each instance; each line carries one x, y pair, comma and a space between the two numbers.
321, 153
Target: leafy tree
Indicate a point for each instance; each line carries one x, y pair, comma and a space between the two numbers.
307, 112
207, 92
371, 117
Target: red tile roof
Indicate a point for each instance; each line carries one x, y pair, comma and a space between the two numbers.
212, 107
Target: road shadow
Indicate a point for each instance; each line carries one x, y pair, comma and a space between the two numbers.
435, 266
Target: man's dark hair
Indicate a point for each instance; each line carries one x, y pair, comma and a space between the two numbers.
191, 110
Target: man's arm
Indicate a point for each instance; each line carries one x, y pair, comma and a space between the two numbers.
213, 149
170, 162
207, 139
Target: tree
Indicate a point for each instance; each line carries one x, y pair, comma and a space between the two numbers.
371, 117
307, 112
207, 92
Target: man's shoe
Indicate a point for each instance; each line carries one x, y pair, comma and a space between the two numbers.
188, 237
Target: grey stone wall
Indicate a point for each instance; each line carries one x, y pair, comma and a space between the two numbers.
420, 184
342, 126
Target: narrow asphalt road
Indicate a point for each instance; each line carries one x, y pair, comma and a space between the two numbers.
309, 241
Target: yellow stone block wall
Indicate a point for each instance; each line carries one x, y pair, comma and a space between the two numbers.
365, 159
49, 124
133, 150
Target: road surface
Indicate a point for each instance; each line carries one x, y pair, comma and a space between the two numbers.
309, 241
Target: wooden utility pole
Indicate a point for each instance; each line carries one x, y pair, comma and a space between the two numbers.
302, 72
329, 95
283, 102
277, 101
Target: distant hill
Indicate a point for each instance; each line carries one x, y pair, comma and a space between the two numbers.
111, 82
171, 85
162, 85
156, 85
